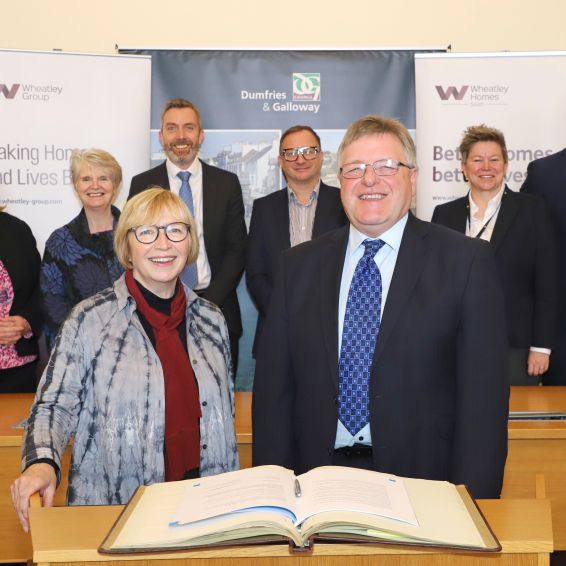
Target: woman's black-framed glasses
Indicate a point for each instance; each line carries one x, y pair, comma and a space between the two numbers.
147, 234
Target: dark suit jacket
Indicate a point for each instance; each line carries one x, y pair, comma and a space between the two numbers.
224, 230
547, 177
524, 248
269, 236
438, 388
18, 252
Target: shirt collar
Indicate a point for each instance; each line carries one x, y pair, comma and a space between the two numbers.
492, 205
391, 237
314, 195
195, 169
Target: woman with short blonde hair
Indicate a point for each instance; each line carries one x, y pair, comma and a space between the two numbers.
141, 375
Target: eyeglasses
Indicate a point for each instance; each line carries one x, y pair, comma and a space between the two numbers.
175, 232
382, 168
292, 153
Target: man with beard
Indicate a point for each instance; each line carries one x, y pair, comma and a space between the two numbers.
214, 197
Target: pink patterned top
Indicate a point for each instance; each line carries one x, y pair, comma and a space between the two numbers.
9, 358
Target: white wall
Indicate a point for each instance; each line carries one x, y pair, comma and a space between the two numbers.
481, 25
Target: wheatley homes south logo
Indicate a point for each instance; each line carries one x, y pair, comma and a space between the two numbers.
305, 91
472, 95
30, 92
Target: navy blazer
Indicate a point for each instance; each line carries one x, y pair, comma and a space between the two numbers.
269, 236
524, 248
224, 230
547, 177
438, 388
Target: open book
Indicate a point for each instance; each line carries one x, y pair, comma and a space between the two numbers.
268, 504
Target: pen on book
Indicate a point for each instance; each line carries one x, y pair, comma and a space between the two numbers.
298, 491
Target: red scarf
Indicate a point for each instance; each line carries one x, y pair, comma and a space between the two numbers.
182, 406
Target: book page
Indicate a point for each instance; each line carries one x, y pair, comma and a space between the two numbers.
442, 516
335, 488
253, 488
147, 526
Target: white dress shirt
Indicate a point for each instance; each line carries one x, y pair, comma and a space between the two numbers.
385, 259
476, 222
195, 181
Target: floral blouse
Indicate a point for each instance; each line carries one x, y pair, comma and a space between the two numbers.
76, 265
9, 358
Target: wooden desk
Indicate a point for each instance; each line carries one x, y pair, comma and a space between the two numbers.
535, 448
70, 535
538, 448
15, 546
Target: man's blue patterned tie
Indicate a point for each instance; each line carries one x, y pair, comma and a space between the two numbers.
189, 275
359, 336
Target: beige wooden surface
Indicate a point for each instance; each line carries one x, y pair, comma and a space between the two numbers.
534, 448
72, 535
15, 545
539, 447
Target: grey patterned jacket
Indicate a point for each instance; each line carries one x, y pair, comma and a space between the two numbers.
104, 384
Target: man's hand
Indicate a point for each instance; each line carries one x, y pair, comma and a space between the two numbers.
537, 363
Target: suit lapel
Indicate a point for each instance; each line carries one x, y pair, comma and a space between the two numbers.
207, 208
332, 263
163, 176
458, 220
505, 217
280, 221
412, 257
321, 212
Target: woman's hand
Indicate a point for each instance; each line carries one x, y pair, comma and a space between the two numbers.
38, 477
12, 329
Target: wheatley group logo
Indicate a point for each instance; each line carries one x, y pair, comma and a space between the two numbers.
8, 91
306, 86
473, 95
30, 92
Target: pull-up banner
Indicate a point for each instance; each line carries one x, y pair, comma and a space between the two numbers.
52, 103
521, 94
248, 98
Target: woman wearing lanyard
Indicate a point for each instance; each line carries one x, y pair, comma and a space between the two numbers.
519, 229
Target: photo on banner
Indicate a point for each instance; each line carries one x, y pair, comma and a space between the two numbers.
247, 98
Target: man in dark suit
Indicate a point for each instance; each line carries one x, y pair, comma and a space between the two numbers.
519, 229
218, 210
547, 177
306, 209
431, 398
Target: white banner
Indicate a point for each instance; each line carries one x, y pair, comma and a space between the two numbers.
51, 103
522, 94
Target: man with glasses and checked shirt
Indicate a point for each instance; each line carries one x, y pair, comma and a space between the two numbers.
305, 209
384, 346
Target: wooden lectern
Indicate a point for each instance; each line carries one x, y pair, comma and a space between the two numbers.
70, 536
